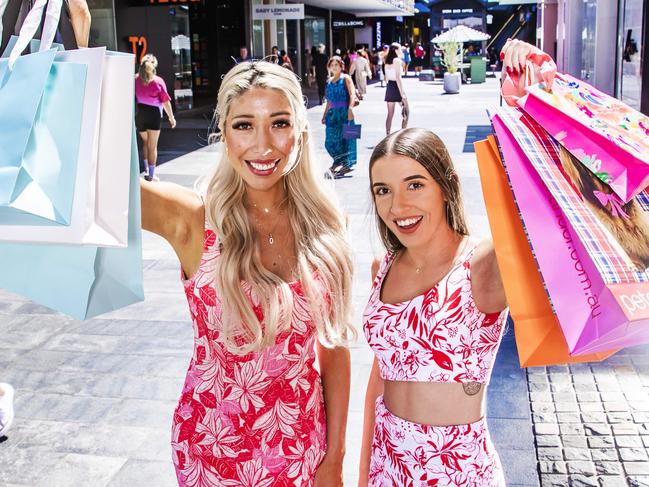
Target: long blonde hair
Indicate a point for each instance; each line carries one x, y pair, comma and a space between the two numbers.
318, 225
147, 69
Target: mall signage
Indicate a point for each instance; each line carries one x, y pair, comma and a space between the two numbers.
341, 24
278, 12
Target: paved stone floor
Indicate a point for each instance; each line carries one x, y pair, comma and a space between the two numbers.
95, 399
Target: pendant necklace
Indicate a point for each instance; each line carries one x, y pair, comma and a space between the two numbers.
270, 238
464, 245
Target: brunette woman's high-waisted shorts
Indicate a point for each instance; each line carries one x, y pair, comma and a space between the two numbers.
417, 455
392, 92
147, 117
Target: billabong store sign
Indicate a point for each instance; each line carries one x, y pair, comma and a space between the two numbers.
341, 24
290, 11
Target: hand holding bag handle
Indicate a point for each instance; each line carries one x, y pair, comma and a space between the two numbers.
31, 24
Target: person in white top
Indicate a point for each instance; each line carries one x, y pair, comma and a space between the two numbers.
394, 92
360, 71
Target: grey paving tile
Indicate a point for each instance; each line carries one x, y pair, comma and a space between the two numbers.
74, 469
62, 407
142, 472
28, 466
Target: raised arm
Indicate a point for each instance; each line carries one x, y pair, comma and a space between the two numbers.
486, 282
335, 371
176, 214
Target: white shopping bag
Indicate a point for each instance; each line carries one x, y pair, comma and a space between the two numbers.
100, 205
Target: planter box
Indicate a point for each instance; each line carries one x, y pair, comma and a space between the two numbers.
452, 82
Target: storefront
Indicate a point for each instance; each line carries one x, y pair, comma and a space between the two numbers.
193, 40
604, 43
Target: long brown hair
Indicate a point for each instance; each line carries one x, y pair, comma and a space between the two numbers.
428, 150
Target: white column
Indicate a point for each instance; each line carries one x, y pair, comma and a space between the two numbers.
606, 42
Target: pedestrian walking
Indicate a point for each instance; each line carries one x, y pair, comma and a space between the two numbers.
361, 72
267, 273
394, 92
420, 54
243, 55
434, 352
406, 59
152, 97
338, 112
274, 56
321, 73
382, 55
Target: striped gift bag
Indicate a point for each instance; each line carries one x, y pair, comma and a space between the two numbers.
592, 248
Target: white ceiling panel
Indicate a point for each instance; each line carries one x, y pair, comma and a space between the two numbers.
365, 8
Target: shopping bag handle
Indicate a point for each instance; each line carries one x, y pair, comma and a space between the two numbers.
31, 24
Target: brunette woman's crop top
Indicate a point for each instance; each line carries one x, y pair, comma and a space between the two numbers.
438, 336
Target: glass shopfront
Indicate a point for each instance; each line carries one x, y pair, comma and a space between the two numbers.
193, 40
629, 52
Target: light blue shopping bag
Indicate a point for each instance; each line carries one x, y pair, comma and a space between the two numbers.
41, 105
80, 281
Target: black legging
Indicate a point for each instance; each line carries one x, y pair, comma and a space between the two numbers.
322, 83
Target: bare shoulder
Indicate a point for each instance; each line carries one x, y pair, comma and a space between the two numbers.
486, 282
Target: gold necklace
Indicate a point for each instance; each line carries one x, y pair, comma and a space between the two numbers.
464, 245
270, 238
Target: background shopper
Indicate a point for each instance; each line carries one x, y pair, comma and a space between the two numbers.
152, 97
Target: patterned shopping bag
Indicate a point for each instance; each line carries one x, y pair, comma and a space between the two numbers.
539, 338
610, 138
596, 265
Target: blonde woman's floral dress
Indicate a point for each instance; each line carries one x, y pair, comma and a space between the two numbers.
247, 421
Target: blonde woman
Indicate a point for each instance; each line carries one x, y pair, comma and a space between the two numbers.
268, 276
152, 97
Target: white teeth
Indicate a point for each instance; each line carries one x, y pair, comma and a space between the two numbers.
408, 221
263, 167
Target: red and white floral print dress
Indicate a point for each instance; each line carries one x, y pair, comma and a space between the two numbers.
438, 336
247, 421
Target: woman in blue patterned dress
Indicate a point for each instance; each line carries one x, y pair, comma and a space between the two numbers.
338, 113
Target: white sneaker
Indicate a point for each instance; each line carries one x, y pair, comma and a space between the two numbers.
6, 407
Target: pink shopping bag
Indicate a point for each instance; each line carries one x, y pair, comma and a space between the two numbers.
610, 138
594, 260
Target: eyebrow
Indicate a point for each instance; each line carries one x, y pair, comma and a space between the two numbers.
276, 114
406, 179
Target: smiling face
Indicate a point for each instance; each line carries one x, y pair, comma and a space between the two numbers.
408, 200
260, 136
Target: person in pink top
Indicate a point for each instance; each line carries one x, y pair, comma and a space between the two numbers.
434, 320
267, 272
152, 97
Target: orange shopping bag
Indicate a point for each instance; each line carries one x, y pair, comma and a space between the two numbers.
539, 338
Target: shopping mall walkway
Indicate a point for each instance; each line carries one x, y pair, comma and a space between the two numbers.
95, 399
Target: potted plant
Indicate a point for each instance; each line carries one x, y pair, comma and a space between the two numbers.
451, 59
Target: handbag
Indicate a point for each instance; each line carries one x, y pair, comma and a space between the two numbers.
41, 106
351, 130
596, 275
539, 338
81, 281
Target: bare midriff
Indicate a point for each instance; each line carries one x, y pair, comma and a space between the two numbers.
435, 403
